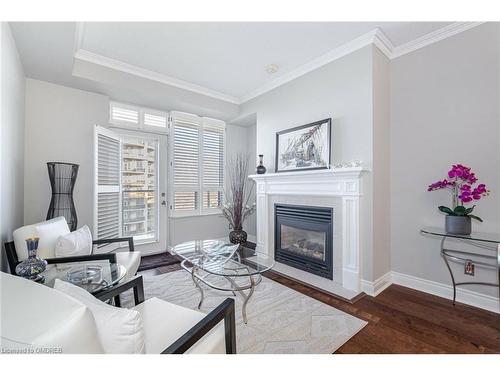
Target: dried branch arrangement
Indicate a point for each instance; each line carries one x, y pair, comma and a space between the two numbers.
237, 192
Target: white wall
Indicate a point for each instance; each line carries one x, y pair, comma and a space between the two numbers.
444, 110
60, 127
341, 90
133, 89
197, 228
442, 103
12, 138
241, 139
251, 222
381, 165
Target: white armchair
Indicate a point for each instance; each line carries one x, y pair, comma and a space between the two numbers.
66, 325
16, 250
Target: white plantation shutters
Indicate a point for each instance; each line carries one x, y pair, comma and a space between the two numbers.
123, 114
129, 116
196, 155
154, 119
107, 220
185, 136
197, 164
212, 163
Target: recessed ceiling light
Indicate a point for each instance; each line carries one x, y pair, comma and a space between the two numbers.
272, 68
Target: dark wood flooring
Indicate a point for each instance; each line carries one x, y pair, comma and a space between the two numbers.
403, 320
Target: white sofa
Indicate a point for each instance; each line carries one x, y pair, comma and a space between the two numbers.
57, 227
65, 325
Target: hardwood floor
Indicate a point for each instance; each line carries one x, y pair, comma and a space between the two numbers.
403, 320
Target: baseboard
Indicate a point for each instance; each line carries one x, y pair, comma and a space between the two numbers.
373, 288
483, 301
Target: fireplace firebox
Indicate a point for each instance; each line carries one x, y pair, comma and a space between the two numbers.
303, 238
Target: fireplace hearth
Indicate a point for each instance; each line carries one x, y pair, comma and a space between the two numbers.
303, 238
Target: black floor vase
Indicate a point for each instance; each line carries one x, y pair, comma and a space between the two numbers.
62, 178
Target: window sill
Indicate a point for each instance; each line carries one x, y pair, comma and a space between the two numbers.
186, 215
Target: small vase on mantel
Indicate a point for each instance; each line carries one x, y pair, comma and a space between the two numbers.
260, 168
32, 267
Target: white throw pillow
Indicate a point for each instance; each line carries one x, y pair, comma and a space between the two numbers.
33, 315
49, 232
75, 243
120, 330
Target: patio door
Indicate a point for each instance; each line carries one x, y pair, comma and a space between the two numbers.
130, 188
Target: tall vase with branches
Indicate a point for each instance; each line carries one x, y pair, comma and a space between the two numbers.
238, 190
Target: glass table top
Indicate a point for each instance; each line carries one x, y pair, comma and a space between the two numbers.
93, 276
223, 259
475, 236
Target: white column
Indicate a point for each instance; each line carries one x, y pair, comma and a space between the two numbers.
350, 243
262, 219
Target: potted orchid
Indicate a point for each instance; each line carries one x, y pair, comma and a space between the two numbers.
461, 182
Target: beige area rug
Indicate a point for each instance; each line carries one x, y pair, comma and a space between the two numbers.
280, 320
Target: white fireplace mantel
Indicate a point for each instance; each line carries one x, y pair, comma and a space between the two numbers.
344, 183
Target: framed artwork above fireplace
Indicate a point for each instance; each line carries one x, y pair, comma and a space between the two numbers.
304, 147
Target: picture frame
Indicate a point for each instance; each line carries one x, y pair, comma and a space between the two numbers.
305, 147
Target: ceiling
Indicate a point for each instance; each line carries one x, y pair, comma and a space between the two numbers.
224, 61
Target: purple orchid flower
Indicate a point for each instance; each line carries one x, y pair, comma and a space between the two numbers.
460, 182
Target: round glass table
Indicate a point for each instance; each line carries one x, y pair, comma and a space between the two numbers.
93, 276
224, 267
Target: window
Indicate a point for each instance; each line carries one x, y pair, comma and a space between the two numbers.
126, 186
213, 163
197, 162
196, 156
123, 114
133, 117
139, 188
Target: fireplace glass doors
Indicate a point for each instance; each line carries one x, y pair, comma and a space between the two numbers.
306, 242
303, 238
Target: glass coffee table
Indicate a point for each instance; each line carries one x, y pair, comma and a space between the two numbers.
93, 276
221, 266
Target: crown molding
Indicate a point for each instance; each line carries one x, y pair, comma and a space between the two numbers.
79, 33
375, 37
121, 66
345, 49
433, 37
382, 42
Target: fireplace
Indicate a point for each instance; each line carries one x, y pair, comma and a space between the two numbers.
303, 238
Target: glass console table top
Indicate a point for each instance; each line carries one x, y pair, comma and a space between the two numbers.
474, 236
476, 254
209, 256
112, 274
